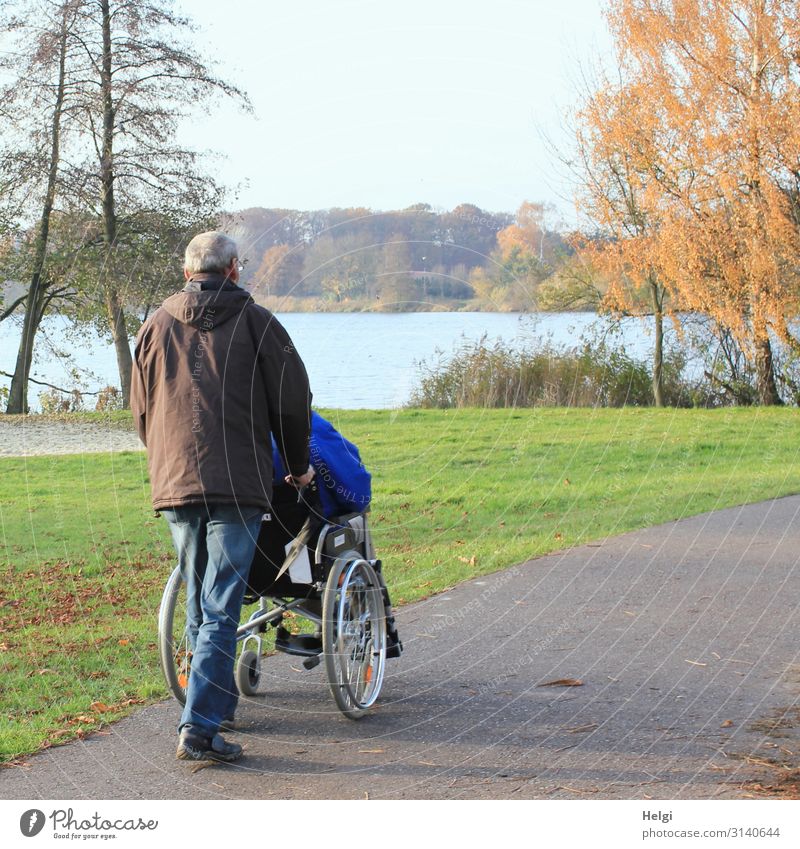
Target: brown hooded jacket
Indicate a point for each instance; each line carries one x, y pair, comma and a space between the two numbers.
214, 373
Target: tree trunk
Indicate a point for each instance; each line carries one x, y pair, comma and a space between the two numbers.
119, 331
765, 373
35, 303
116, 313
658, 351
18, 393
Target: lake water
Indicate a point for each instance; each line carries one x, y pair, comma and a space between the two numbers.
354, 360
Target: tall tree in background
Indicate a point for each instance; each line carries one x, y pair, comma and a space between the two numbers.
30, 163
280, 271
519, 258
529, 232
616, 162
715, 82
394, 280
109, 79
144, 77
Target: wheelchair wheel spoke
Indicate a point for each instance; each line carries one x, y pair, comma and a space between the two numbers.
355, 636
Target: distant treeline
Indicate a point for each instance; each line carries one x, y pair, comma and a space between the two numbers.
406, 259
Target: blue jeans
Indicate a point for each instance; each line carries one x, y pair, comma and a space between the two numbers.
215, 545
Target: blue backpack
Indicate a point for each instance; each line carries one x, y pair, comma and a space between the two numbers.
344, 485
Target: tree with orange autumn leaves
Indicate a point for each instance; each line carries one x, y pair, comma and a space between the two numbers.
691, 163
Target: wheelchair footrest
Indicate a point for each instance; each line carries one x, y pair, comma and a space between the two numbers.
302, 645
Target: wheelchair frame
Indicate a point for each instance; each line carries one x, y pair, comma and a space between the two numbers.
352, 619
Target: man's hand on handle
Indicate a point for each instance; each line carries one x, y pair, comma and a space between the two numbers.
302, 480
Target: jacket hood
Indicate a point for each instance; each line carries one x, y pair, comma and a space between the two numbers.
207, 309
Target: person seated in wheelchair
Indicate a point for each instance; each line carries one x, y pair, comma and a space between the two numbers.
284, 563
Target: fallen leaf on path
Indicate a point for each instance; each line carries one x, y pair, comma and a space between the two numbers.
577, 790
371, 751
768, 764
727, 724
562, 682
695, 662
100, 707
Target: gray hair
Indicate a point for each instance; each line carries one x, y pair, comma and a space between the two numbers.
212, 251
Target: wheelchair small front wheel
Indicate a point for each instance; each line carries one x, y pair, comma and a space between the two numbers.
353, 634
173, 643
248, 672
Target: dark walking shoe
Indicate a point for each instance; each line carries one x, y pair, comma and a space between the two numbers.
228, 724
197, 747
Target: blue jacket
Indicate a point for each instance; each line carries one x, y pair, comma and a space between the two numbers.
344, 485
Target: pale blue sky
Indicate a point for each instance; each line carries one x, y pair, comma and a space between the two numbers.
385, 104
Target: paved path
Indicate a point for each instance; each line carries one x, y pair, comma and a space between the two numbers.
685, 637
23, 436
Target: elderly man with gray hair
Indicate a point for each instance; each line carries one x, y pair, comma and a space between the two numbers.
214, 375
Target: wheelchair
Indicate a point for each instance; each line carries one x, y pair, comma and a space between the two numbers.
321, 569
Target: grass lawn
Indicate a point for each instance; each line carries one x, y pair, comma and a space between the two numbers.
456, 494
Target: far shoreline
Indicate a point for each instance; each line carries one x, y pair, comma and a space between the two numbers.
289, 306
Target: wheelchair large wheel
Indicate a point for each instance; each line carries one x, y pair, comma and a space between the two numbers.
173, 644
354, 634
